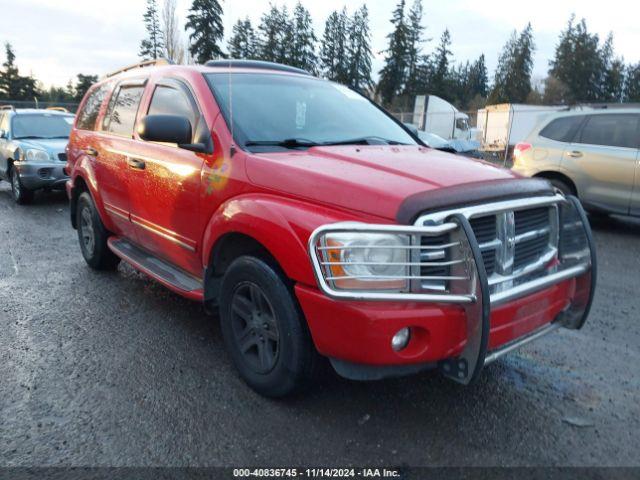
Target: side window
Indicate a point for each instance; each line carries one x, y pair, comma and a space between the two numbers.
172, 101
89, 114
121, 115
3, 123
562, 129
613, 130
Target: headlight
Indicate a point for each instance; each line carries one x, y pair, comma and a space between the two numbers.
33, 155
366, 261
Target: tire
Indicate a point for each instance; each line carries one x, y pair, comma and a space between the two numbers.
562, 186
93, 236
21, 194
264, 330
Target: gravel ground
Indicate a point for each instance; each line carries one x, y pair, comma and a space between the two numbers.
114, 370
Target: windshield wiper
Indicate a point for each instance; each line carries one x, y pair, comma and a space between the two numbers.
287, 143
29, 137
364, 141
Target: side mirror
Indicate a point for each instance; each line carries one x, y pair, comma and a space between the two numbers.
165, 129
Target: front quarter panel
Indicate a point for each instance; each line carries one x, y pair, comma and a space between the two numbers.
282, 225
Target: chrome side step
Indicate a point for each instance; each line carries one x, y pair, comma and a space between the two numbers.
493, 355
166, 273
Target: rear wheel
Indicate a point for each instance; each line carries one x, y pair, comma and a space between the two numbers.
93, 236
562, 186
21, 194
264, 329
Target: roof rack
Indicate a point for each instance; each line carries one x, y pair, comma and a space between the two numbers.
7, 107
158, 62
58, 109
257, 64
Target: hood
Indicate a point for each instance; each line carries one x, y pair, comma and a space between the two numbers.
53, 146
369, 179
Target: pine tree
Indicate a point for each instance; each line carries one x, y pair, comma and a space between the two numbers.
243, 43
632, 91
10, 76
393, 75
360, 50
578, 63
303, 41
152, 46
275, 35
440, 79
83, 84
414, 47
479, 78
512, 81
612, 74
207, 30
334, 54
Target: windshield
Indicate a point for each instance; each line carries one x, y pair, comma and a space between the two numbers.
281, 111
41, 126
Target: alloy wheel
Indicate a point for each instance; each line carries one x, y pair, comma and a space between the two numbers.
87, 230
254, 327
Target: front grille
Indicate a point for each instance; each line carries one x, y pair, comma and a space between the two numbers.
62, 157
434, 255
514, 244
484, 229
526, 221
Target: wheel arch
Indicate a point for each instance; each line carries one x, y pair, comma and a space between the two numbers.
555, 175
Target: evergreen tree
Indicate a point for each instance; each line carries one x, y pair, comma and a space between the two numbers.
243, 43
303, 41
414, 47
512, 81
632, 91
207, 30
479, 78
173, 42
393, 75
334, 54
275, 36
440, 81
578, 64
83, 84
10, 84
152, 46
360, 50
612, 75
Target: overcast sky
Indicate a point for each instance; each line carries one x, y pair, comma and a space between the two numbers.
56, 39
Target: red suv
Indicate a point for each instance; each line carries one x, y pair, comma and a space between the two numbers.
318, 225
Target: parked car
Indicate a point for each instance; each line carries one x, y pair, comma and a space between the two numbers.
468, 148
592, 154
318, 225
32, 150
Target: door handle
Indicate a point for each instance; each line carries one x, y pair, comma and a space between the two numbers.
136, 163
575, 154
92, 152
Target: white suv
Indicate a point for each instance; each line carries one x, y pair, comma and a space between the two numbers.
594, 155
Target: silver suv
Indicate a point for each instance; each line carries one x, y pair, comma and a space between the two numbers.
592, 154
32, 149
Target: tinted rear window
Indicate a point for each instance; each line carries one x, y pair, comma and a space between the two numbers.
562, 129
615, 130
123, 109
88, 115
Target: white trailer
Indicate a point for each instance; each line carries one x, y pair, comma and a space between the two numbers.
502, 126
434, 115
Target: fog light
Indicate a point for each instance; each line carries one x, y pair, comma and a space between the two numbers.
401, 339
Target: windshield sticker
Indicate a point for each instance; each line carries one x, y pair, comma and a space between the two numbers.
301, 115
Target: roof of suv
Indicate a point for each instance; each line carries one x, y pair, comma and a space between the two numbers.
31, 111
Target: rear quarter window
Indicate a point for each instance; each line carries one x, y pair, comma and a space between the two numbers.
562, 129
88, 115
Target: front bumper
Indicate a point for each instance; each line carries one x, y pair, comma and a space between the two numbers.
50, 175
459, 338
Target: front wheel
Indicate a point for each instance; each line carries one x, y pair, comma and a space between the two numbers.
264, 329
93, 236
21, 194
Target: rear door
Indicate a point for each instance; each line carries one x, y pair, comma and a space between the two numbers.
165, 195
554, 140
4, 153
602, 160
